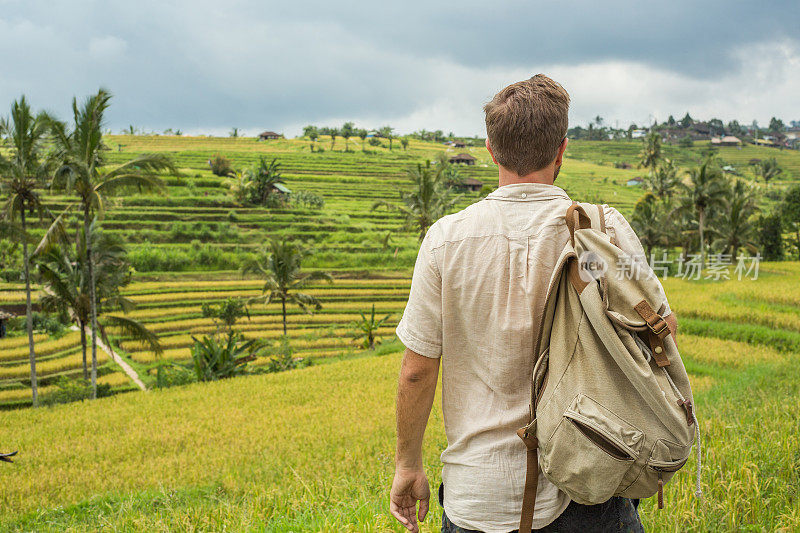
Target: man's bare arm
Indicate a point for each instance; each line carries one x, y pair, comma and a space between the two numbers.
415, 392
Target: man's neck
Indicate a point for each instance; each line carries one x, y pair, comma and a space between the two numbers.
544, 175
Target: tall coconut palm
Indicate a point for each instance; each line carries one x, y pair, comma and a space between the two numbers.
664, 180
704, 192
790, 213
66, 287
650, 154
451, 176
767, 169
22, 174
83, 171
279, 265
648, 222
734, 228
428, 200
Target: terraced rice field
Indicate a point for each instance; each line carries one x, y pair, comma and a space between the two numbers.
187, 244
173, 312
196, 236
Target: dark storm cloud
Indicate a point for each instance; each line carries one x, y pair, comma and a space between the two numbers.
196, 65
688, 36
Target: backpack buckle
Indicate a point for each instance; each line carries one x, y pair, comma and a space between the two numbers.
660, 328
654, 321
530, 440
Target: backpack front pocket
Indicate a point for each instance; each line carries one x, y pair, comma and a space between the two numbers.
590, 451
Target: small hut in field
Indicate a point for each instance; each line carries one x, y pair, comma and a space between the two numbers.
463, 159
470, 184
268, 135
727, 140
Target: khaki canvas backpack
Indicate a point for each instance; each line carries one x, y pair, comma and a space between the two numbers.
611, 405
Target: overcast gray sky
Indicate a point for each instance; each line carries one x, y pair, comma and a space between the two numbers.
205, 66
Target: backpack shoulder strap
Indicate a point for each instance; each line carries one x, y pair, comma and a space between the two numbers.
602, 218
531, 481
596, 214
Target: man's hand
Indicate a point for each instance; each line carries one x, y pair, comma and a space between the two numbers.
408, 488
415, 392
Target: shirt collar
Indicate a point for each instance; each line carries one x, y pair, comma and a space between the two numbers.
524, 192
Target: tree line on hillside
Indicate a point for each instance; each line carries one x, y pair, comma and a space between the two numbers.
710, 210
348, 131
375, 137
686, 130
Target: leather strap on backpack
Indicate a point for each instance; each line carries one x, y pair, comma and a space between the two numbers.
576, 219
602, 216
531, 480
657, 331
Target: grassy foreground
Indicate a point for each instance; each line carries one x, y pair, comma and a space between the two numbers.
311, 449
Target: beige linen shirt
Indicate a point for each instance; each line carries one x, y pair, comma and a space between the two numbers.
476, 300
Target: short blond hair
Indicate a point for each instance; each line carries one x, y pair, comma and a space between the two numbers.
526, 123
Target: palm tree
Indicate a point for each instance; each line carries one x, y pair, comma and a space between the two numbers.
66, 287
362, 133
705, 191
368, 327
312, 133
387, 133
767, 169
650, 154
348, 130
450, 173
83, 170
22, 173
265, 177
333, 132
664, 180
648, 222
790, 213
733, 228
279, 265
428, 201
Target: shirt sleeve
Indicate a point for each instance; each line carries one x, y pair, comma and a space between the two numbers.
628, 242
420, 328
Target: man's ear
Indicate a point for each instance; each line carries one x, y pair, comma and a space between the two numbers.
561, 150
489, 147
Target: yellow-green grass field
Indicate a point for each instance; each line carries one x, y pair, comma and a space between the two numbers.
311, 449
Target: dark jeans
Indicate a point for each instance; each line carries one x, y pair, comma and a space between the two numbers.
616, 515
